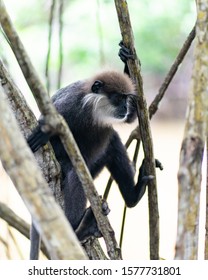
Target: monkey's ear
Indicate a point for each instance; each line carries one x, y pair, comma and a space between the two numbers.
96, 86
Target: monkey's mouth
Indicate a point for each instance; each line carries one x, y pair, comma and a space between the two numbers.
121, 116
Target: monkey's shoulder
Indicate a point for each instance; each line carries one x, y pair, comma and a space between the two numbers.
70, 90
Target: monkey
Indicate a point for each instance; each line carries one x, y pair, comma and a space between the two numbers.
90, 108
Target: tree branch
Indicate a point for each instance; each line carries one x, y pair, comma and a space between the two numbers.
134, 68
192, 149
186, 46
60, 15
18, 223
206, 223
51, 18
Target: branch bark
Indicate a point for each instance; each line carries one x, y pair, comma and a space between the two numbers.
206, 223
189, 174
145, 132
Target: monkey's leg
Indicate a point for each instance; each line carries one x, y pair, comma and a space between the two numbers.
88, 225
74, 198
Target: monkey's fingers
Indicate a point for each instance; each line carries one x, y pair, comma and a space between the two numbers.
124, 53
37, 139
146, 179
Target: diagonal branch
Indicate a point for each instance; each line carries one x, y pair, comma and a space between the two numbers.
154, 105
18, 223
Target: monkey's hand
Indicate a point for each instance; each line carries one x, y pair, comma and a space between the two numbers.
143, 176
88, 226
143, 180
39, 137
124, 53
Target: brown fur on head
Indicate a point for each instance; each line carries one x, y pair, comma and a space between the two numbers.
113, 81
110, 96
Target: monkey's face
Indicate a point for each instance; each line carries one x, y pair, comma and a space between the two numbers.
110, 106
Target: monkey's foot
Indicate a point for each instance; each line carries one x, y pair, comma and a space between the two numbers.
124, 53
88, 226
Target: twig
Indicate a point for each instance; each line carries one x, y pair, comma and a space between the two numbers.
100, 33
154, 105
13, 220
15, 243
18, 223
51, 18
122, 226
206, 224
60, 15
4, 242
134, 68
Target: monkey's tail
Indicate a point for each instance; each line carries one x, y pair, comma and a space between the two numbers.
37, 139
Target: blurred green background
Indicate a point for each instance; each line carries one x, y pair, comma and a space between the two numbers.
91, 35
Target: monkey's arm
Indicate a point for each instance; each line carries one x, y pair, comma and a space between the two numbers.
123, 173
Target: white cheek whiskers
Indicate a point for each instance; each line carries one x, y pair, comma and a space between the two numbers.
103, 111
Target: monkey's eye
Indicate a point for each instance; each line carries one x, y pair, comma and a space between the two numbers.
96, 86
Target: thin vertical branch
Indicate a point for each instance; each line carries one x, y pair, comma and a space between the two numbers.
60, 17
100, 34
206, 223
134, 68
122, 226
136, 152
50, 31
15, 243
